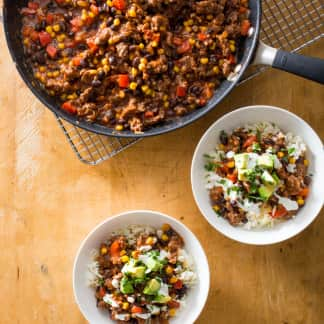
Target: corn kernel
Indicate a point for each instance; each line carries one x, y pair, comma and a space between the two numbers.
132, 12
144, 88
61, 45
190, 22
154, 44
203, 28
91, 14
204, 60
116, 22
173, 280
212, 46
82, 3
109, 3
125, 305
149, 240
63, 96
292, 160
66, 59
56, 74
26, 41
84, 16
141, 46
61, 37
165, 97
95, 61
192, 41
134, 72
49, 29
121, 94
216, 69
124, 258
118, 12
122, 252
38, 75
232, 48
306, 163
103, 250
161, 51
168, 270
135, 254
52, 34
119, 127
42, 68
172, 312
133, 85
164, 237
166, 104
216, 208
230, 164
221, 147
188, 29
49, 74
143, 60
280, 154
300, 202
176, 69
141, 67
165, 227
210, 17
56, 28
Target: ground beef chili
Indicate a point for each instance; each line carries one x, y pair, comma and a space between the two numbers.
131, 64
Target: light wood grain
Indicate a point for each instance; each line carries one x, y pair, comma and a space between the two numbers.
49, 201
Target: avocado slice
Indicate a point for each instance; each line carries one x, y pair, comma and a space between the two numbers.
275, 177
267, 179
162, 299
138, 272
241, 160
126, 286
266, 161
243, 174
265, 192
152, 287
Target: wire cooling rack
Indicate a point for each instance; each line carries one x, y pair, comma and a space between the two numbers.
289, 25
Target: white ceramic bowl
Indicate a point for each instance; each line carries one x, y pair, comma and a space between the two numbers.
288, 122
84, 295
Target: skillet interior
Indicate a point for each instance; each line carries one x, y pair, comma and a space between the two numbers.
12, 26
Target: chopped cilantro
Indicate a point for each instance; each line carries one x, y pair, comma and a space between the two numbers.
256, 147
207, 156
210, 166
222, 181
258, 135
291, 150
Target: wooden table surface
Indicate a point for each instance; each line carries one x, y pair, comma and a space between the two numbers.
49, 201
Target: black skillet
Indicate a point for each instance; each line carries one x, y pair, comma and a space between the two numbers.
251, 49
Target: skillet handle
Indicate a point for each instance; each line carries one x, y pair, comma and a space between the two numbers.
311, 68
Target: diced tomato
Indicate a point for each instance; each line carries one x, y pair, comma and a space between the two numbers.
27, 11
177, 41
51, 50
232, 59
60, 1
102, 292
123, 80
173, 304
181, 91
249, 141
115, 249
33, 5
184, 47
76, 24
44, 38
136, 309
49, 19
245, 26
119, 4
68, 107
148, 114
92, 45
232, 177
304, 192
178, 284
94, 9
242, 10
34, 35
202, 36
76, 61
281, 211
202, 101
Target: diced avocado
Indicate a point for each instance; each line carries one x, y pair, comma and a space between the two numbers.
126, 286
265, 192
152, 287
153, 264
275, 177
243, 174
265, 161
162, 299
267, 179
138, 272
241, 160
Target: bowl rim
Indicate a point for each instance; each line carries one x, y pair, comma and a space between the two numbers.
195, 157
204, 294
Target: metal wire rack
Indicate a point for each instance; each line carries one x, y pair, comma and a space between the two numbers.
290, 25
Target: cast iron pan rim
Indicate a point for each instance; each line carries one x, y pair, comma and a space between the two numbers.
154, 131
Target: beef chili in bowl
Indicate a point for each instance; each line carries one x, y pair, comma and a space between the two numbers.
141, 267
130, 65
257, 175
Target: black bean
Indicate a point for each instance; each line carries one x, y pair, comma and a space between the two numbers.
223, 137
38, 27
112, 60
82, 47
40, 58
96, 83
101, 75
62, 26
